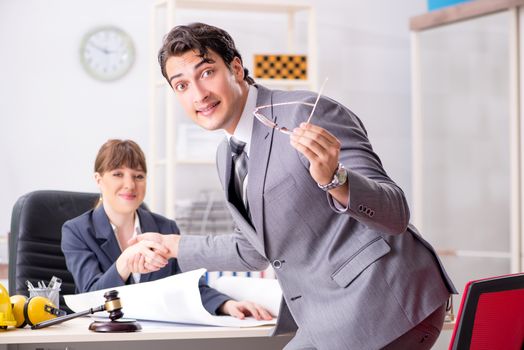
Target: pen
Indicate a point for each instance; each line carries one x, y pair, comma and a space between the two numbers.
29, 285
55, 282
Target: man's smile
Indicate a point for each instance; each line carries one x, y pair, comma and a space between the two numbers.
208, 109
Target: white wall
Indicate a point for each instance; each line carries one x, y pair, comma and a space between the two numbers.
54, 117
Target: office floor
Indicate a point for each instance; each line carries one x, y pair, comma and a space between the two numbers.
443, 341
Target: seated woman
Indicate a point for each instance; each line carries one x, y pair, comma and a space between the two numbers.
96, 244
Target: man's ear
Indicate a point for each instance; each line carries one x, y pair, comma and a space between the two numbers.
237, 68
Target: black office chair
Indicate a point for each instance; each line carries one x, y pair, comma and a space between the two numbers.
34, 241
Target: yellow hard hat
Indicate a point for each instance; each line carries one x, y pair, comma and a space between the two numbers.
18, 302
6, 311
39, 309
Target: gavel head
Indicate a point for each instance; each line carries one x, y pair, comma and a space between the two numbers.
113, 305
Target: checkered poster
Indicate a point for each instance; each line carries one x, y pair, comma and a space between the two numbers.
293, 67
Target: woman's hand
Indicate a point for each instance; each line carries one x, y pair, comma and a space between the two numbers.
169, 242
242, 309
141, 257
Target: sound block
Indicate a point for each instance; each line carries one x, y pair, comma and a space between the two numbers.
115, 326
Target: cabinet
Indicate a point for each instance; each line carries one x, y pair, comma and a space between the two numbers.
181, 156
467, 136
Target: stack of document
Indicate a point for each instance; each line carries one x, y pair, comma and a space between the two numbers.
177, 299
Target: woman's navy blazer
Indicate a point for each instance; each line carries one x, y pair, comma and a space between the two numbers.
91, 250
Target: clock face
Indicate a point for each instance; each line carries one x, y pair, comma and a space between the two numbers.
107, 53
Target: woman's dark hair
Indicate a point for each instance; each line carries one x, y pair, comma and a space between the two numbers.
116, 154
201, 38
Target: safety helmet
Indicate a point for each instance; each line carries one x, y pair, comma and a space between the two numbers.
6, 311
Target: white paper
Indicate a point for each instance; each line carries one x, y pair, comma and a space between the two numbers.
263, 291
171, 299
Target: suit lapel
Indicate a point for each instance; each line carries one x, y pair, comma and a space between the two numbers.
261, 141
224, 164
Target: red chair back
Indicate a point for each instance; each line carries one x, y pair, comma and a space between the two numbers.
491, 315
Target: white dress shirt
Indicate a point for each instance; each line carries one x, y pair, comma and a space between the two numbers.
136, 231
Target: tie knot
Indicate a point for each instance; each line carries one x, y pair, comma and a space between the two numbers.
237, 146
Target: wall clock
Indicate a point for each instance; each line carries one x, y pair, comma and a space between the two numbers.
107, 53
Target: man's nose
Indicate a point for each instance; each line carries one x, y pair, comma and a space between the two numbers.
201, 93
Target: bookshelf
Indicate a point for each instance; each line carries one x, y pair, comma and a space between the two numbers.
467, 136
167, 167
199, 206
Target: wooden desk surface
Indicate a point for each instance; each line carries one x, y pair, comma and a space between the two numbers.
76, 330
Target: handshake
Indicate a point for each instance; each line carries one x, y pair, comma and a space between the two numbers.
150, 251
147, 253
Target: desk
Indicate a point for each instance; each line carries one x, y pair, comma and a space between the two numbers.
74, 335
448, 326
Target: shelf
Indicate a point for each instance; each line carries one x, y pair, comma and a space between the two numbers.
171, 151
234, 5
460, 12
446, 175
284, 82
474, 253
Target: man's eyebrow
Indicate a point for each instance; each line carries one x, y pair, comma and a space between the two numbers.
204, 61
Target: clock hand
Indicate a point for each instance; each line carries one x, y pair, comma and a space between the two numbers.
99, 48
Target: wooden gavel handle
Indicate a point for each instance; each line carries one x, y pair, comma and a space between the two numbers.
68, 317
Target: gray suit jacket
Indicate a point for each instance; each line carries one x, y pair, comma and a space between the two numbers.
351, 280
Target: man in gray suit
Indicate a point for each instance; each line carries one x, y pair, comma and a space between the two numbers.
316, 204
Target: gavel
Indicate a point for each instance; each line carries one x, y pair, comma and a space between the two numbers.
111, 305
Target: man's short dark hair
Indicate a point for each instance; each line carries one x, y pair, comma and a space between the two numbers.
199, 37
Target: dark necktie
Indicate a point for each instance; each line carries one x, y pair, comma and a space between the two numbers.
240, 167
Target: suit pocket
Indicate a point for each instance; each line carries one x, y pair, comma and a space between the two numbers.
365, 256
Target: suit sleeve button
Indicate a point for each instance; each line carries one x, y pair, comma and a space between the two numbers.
276, 264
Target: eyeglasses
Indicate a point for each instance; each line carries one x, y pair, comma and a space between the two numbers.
269, 123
